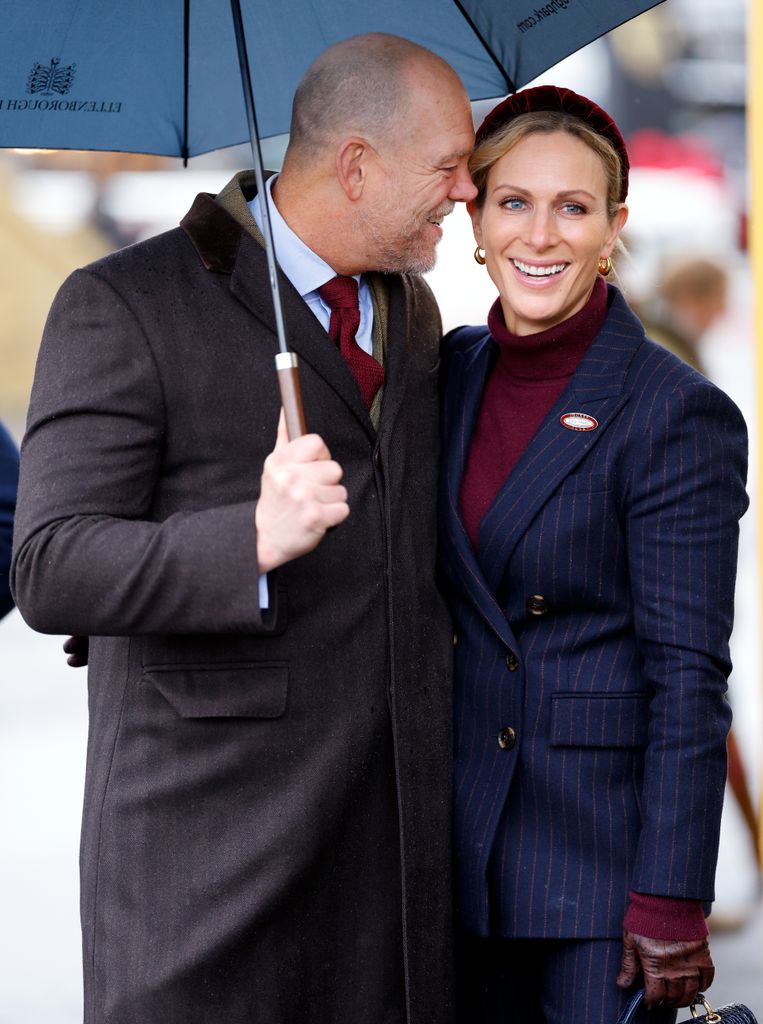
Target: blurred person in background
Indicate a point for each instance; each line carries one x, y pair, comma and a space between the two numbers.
695, 296
695, 293
591, 490
9, 478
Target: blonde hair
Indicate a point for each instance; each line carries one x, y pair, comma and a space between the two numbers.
494, 146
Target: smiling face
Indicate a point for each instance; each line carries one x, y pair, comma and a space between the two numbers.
422, 173
544, 226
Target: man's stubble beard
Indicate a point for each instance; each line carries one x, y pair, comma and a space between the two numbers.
405, 253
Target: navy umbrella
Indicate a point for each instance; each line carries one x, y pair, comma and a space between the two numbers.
175, 77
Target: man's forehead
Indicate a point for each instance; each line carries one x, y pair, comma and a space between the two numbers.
437, 121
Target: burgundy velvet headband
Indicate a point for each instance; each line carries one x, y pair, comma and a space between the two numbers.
552, 97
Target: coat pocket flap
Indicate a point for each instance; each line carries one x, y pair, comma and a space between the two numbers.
599, 720
257, 690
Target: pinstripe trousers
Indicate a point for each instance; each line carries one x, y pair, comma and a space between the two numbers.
542, 981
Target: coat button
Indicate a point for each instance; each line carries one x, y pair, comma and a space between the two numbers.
377, 458
537, 605
512, 662
506, 738
455, 639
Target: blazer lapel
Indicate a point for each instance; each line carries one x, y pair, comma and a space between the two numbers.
596, 389
465, 383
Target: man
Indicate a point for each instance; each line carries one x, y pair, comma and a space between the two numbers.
9, 475
266, 821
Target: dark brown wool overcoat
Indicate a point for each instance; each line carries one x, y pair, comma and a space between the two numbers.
267, 804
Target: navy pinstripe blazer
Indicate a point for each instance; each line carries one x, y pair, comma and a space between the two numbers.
592, 640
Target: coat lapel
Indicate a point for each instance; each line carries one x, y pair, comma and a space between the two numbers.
465, 383
396, 360
596, 389
226, 247
304, 334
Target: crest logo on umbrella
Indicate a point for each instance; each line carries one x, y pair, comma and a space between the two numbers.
54, 77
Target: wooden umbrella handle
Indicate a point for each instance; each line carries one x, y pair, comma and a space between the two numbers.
291, 394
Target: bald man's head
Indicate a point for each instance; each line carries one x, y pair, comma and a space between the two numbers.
380, 136
360, 86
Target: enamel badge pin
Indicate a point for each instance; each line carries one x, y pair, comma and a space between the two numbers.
579, 421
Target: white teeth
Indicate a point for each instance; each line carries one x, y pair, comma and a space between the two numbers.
526, 268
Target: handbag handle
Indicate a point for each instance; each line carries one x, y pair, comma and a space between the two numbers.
630, 1013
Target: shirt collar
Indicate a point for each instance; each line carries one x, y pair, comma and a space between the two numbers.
306, 270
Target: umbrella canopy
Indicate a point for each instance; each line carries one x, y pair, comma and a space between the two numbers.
162, 76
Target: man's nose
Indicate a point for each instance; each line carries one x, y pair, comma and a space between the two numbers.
464, 189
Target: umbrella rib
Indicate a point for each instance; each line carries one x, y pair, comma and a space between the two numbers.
488, 48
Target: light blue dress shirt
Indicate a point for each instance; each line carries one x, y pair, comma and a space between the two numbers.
308, 272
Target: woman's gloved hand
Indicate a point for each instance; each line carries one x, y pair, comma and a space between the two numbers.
673, 971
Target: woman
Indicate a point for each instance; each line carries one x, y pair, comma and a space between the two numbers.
592, 486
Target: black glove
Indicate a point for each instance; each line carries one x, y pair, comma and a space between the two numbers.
77, 647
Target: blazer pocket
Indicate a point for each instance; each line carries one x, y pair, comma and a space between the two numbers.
257, 690
599, 720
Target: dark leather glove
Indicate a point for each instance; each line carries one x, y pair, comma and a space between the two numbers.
673, 971
77, 647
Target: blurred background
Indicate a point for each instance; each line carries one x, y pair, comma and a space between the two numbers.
675, 81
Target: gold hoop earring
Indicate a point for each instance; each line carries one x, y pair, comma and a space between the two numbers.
605, 266
479, 256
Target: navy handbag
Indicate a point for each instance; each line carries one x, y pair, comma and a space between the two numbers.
736, 1013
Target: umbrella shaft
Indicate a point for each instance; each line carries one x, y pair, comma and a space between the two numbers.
267, 230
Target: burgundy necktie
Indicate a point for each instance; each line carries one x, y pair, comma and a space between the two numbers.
341, 295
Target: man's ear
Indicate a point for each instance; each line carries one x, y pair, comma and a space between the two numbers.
352, 158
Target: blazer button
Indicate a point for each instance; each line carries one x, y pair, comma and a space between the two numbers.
507, 738
512, 662
537, 605
455, 639
377, 458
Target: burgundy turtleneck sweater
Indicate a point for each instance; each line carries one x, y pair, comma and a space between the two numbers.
529, 375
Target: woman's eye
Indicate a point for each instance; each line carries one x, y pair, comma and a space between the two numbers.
513, 203
573, 208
